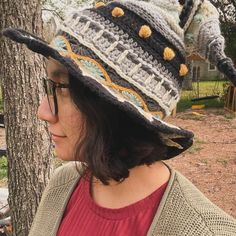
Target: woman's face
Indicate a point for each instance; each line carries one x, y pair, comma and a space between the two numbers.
65, 127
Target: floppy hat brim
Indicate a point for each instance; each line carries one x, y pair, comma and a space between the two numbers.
176, 139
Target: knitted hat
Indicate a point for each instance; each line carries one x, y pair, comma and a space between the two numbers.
132, 54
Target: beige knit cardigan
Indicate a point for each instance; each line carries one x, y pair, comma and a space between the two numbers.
183, 210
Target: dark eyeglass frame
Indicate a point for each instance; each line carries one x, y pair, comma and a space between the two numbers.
50, 87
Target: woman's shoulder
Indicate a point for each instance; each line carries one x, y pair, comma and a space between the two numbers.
55, 198
195, 198
65, 173
189, 211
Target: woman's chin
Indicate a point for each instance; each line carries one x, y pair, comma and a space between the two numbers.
63, 155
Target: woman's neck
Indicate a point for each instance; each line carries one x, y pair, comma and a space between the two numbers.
142, 181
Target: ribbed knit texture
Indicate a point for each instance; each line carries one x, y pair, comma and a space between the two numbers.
84, 217
183, 210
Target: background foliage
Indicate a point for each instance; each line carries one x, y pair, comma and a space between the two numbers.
227, 10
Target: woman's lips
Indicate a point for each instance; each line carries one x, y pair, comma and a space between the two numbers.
56, 138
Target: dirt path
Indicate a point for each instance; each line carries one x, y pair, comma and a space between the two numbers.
211, 163
2, 137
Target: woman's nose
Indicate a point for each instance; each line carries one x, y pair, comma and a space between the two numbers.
45, 113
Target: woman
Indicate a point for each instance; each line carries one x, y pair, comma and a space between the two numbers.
114, 72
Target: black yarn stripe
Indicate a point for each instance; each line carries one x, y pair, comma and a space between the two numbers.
82, 50
132, 58
198, 7
148, 17
226, 66
154, 45
181, 2
186, 12
151, 44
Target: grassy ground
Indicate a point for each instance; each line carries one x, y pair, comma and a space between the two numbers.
3, 167
206, 88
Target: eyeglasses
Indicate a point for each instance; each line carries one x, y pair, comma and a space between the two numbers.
50, 88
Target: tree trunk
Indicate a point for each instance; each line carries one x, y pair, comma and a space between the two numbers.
28, 143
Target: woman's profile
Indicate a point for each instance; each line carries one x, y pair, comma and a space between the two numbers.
114, 72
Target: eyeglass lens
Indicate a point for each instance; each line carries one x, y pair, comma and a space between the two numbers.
50, 90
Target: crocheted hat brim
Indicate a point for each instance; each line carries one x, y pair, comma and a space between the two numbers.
176, 139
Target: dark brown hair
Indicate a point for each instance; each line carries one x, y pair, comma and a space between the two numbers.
112, 142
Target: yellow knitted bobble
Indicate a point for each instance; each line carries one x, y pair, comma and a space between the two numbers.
145, 31
169, 54
183, 70
117, 12
99, 4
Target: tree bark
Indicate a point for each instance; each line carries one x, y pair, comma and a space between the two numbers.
28, 143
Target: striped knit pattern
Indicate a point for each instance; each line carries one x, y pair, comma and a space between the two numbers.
84, 51
139, 62
163, 16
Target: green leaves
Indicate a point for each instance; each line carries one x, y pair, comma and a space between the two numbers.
229, 32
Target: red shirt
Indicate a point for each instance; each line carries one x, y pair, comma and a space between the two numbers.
83, 217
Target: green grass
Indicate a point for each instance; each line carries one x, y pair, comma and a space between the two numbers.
194, 149
206, 88
3, 167
223, 162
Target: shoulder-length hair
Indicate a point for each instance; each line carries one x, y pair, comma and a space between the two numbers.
112, 142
